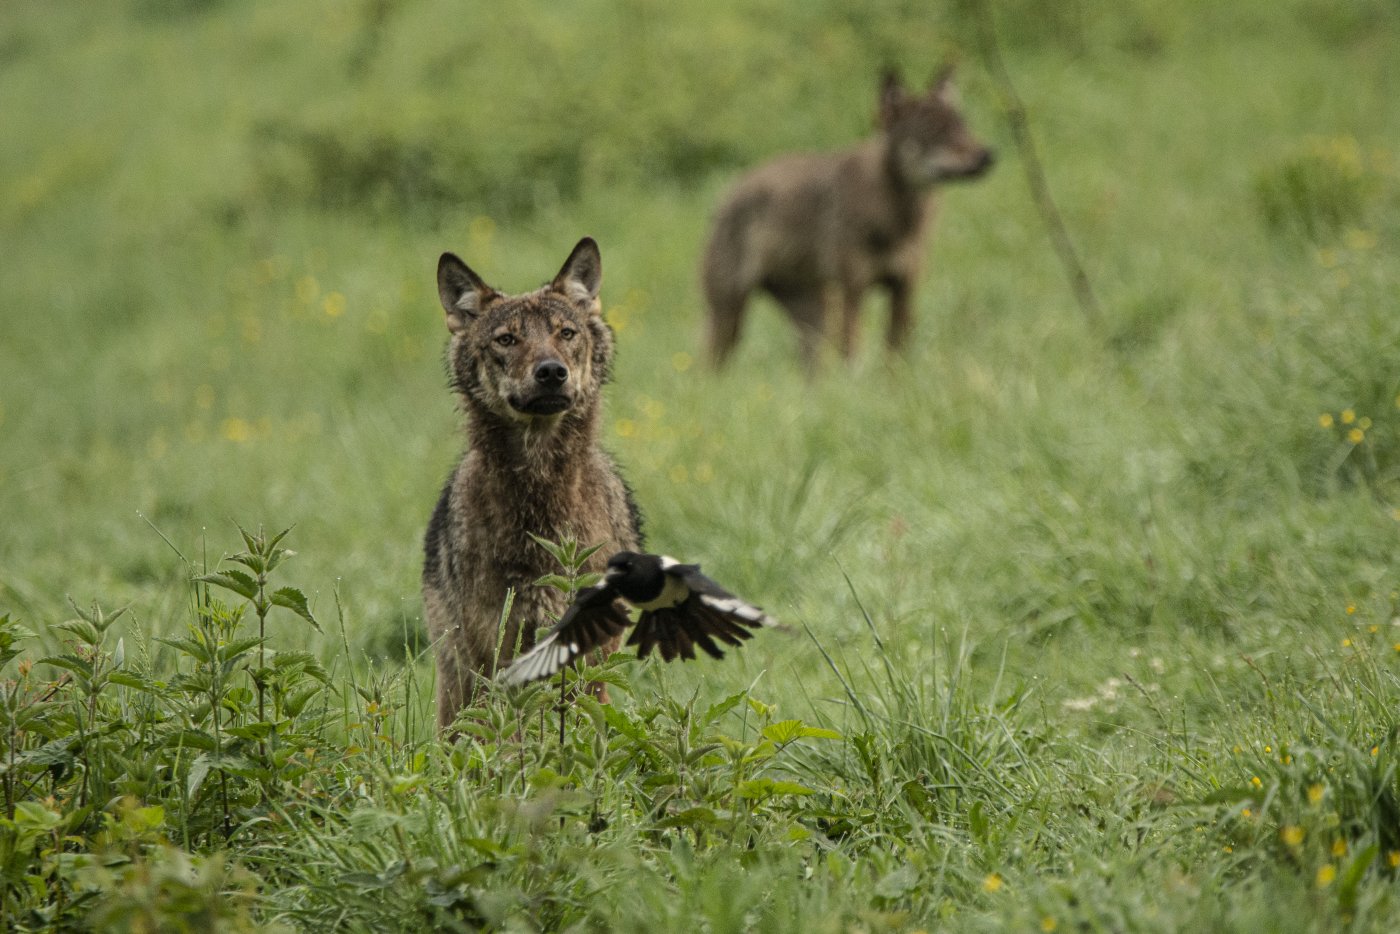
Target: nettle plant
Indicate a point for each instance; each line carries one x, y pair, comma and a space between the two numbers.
97, 732
673, 759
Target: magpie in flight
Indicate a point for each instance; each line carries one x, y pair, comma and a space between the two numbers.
681, 608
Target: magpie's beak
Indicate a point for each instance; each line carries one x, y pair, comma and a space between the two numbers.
611, 575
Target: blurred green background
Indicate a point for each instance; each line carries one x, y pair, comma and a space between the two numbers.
221, 220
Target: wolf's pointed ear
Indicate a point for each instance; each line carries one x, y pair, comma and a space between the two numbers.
892, 94
582, 274
462, 292
942, 87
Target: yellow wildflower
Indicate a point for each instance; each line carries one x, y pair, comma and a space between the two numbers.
1348, 416
1291, 835
1326, 875
993, 883
1315, 793
1360, 240
236, 429
1356, 436
1325, 419
1339, 847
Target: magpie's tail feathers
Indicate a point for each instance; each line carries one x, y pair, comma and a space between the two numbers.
721, 626
644, 636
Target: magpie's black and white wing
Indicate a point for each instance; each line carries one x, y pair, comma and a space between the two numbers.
590, 621
710, 614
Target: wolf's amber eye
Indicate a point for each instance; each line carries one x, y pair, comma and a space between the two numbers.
567, 333
505, 340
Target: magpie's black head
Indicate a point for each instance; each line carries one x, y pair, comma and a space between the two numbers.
638, 578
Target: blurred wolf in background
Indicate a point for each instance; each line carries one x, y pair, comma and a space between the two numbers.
816, 230
528, 371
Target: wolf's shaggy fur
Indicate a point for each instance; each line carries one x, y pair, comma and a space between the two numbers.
528, 371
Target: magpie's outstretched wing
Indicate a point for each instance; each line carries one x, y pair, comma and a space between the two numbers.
591, 620
708, 614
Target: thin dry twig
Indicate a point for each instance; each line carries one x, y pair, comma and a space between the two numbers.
1035, 170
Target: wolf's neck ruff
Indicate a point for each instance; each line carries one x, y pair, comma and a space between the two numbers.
535, 450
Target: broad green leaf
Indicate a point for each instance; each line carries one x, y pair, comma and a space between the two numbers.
34, 815
190, 739
555, 551
917, 795
784, 731
619, 720
759, 707
250, 541
485, 846
190, 647
255, 563
127, 679
236, 581
294, 600
585, 554
557, 581
691, 817
238, 647
720, 708
72, 663
57, 752
81, 628
294, 704
11, 634
589, 705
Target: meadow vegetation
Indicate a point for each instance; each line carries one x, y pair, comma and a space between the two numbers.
1092, 628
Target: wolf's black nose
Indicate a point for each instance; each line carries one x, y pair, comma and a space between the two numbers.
551, 373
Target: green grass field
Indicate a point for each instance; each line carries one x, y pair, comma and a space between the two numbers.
1093, 627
